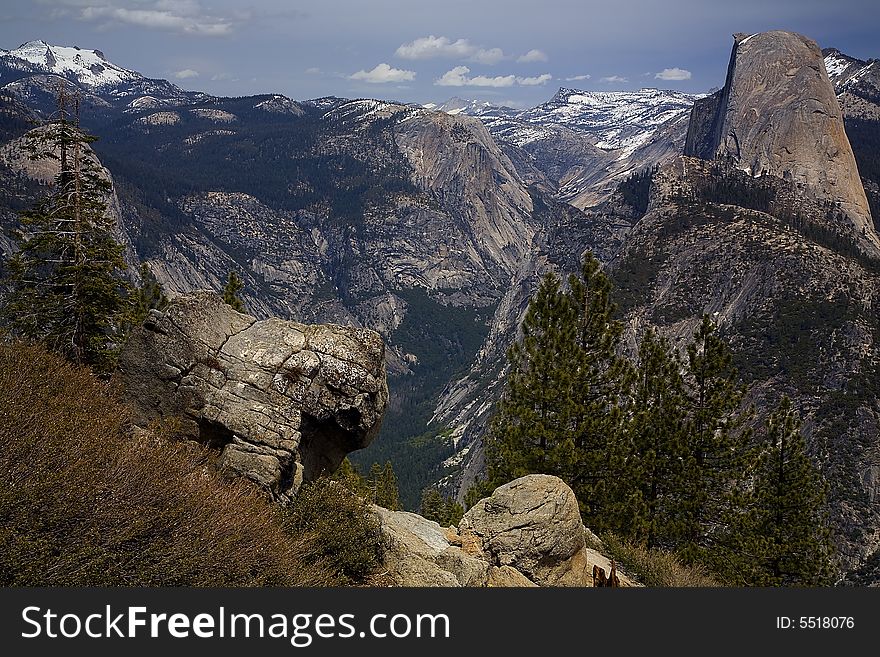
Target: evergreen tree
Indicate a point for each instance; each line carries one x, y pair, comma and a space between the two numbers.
67, 279
382, 486
148, 296
719, 447
599, 379
348, 476
787, 541
530, 431
444, 511
651, 484
559, 413
234, 285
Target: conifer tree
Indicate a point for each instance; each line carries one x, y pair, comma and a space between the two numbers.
532, 421
651, 485
719, 447
148, 296
787, 541
599, 379
234, 285
432, 505
382, 486
559, 413
67, 281
444, 511
348, 476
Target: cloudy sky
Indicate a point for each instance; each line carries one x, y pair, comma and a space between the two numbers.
510, 51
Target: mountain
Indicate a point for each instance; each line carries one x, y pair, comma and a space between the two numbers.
433, 228
857, 84
763, 225
86, 67
361, 212
32, 71
782, 255
784, 124
586, 142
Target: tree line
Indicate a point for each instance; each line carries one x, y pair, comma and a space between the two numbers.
662, 449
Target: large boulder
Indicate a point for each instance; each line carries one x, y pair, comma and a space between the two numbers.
528, 533
282, 402
534, 525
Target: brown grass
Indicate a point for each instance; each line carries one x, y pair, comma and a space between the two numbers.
653, 567
83, 504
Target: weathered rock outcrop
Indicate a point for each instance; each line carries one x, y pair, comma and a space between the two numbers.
778, 115
528, 533
284, 401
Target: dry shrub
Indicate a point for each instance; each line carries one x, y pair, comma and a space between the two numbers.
653, 567
81, 503
346, 533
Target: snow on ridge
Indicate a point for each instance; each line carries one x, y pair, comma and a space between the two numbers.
835, 65
89, 67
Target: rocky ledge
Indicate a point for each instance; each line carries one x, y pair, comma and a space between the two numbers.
528, 533
282, 402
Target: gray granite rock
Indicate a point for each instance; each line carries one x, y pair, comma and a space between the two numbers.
283, 402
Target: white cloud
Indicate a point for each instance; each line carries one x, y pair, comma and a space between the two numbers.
535, 81
497, 81
432, 46
223, 77
186, 73
614, 79
578, 78
488, 57
383, 73
673, 74
185, 16
314, 70
458, 77
533, 55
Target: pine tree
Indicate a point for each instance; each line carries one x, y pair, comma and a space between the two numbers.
652, 483
348, 476
720, 453
787, 541
559, 413
382, 486
530, 431
67, 281
148, 296
599, 379
234, 285
444, 511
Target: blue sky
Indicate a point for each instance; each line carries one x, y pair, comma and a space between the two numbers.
511, 52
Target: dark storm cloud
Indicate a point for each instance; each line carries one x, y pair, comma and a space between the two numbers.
412, 50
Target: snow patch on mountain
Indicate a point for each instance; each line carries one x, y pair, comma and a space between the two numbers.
616, 120
278, 104
88, 67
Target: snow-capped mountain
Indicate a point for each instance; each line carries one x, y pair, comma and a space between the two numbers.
845, 71
618, 120
456, 105
87, 67
587, 142
33, 69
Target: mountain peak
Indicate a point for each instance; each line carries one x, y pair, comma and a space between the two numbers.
88, 67
796, 133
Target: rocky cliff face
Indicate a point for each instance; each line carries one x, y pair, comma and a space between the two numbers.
580, 145
282, 402
778, 115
